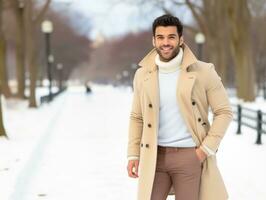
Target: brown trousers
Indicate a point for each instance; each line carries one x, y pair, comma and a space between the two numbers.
180, 168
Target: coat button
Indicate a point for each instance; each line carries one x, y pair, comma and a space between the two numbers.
149, 125
147, 145
199, 119
203, 124
141, 145
193, 103
150, 105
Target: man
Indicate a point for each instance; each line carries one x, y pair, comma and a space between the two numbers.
171, 143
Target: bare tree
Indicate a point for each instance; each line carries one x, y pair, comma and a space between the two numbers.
226, 25
239, 19
2, 130
3, 69
211, 20
65, 36
258, 11
208, 14
218, 18
18, 8
99, 70
32, 21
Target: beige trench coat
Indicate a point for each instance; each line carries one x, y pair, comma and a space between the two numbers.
198, 87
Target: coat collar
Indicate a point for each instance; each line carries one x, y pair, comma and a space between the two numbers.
149, 60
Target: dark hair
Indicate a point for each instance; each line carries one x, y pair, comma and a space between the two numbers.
168, 20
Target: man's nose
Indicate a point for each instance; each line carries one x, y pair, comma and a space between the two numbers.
165, 41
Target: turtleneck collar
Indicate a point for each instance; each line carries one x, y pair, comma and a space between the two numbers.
170, 66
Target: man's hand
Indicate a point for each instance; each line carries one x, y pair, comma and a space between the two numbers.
201, 154
132, 168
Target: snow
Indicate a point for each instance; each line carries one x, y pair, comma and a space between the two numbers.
75, 148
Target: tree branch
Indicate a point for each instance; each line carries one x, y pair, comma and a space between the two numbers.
197, 16
178, 3
190, 28
39, 17
195, 6
167, 11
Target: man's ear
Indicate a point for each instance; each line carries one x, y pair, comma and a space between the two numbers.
181, 40
153, 41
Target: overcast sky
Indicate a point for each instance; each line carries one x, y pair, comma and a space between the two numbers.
111, 17
108, 18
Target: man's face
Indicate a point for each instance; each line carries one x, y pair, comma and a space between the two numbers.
167, 42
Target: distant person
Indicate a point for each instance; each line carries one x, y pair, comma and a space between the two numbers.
172, 146
88, 88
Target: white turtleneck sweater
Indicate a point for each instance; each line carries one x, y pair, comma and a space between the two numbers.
173, 131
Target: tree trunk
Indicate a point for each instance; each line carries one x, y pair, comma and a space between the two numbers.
2, 129
31, 60
3, 70
240, 28
209, 17
217, 56
30, 39
33, 69
31, 23
2, 62
20, 49
213, 15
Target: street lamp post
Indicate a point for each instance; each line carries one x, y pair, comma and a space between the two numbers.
264, 86
200, 40
60, 69
47, 29
118, 78
125, 74
21, 6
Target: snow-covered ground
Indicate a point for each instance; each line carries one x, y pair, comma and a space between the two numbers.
75, 149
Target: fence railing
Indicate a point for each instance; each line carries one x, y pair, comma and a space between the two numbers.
47, 98
256, 118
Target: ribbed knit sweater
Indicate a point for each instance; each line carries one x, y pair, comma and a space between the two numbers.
173, 131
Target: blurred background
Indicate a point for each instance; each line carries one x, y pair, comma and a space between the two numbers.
103, 42
85, 53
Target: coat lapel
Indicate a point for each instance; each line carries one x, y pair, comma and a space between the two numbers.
151, 82
185, 85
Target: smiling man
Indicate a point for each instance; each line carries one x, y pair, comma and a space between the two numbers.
172, 146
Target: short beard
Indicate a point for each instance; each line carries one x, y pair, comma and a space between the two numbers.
174, 54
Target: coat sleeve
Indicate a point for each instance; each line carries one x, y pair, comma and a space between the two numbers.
136, 120
222, 112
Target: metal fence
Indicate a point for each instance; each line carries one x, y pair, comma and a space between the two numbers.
254, 119
48, 98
